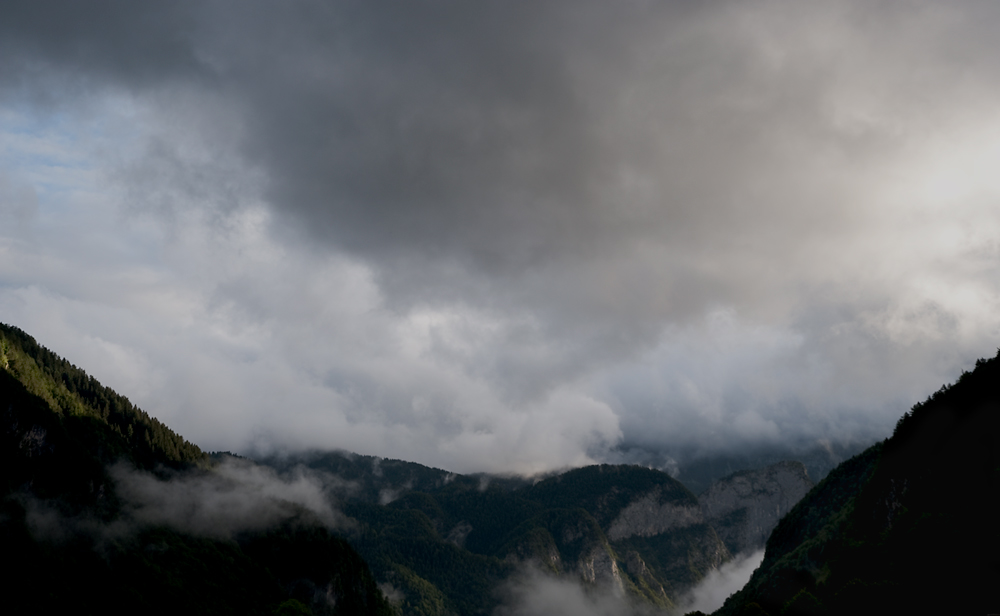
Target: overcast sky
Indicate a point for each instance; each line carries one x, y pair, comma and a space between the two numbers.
505, 236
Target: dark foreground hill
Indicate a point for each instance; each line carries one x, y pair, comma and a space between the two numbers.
71, 544
908, 526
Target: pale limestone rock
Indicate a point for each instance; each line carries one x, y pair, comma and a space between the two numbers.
648, 516
636, 568
599, 567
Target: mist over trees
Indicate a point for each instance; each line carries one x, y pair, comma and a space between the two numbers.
105, 509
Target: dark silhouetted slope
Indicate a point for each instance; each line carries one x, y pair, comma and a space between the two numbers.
908, 526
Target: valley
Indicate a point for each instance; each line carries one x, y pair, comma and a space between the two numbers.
106, 508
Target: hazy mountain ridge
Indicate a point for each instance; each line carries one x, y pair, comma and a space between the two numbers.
699, 472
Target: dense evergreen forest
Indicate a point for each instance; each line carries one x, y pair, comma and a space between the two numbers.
72, 393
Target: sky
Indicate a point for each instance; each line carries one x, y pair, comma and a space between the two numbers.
505, 236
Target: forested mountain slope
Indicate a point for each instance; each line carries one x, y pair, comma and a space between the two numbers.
908, 526
73, 544
72, 394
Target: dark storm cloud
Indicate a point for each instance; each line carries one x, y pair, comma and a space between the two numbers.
495, 138
460, 134
87, 42
448, 138
505, 156
467, 141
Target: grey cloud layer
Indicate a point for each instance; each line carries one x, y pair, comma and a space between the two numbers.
718, 222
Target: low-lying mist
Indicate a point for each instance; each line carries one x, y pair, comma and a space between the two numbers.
234, 496
535, 593
713, 591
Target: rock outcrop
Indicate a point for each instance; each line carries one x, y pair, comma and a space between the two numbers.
652, 515
745, 507
598, 566
644, 579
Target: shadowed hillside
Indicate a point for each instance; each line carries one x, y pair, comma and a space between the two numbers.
908, 526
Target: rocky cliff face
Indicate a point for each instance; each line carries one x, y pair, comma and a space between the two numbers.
745, 507
598, 566
668, 528
634, 530
651, 515
568, 541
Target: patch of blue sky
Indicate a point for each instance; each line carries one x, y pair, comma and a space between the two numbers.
67, 157
54, 146
48, 151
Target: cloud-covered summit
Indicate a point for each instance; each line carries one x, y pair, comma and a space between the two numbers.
504, 236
